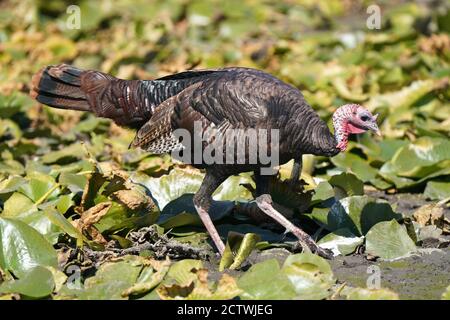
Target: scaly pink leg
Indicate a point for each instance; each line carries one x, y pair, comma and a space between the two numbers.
206, 219
202, 203
264, 202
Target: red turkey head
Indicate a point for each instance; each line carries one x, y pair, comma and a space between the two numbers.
352, 118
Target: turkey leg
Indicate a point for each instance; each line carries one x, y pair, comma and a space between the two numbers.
264, 202
202, 203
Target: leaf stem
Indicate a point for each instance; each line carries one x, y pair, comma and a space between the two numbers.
46, 195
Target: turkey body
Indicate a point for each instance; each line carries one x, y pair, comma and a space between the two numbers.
219, 99
239, 98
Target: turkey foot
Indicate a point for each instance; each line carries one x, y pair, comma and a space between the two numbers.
204, 216
265, 204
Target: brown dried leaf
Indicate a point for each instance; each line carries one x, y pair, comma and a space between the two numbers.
94, 214
430, 214
88, 218
435, 44
175, 291
200, 289
133, 199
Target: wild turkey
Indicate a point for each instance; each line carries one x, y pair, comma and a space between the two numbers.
219, 99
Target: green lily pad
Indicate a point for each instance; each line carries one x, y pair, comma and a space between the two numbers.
360, 167
420, 158
42, 224
389, 147
64, 203
58, 219
148, 279
75, 182
323, 192
357, 214
181, 271
20, 207
265, 281
181, 212
437, 190
11, 184
11, 104
171, 186
389, 240
387, 171
23, 248
111, 280
64, 155
178, 182
348, 184
201, 289
237, 249
119, 217
310, 275
18, 204
404, 97
36, 283
40, 187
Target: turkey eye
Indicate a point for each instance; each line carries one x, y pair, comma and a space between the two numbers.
364, 118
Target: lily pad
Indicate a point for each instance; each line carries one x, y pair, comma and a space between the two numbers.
58, 219
389, 240
11, 184
36, 283
359, 166
437, 190
75, 182
179, 182
181, 271
357, 214
23, 248
418, 159
348, 184
64, 155
18, 204
111, 280
265, 281
323, 192
40, 187
149, 278
200, 289
310, 275
237, 249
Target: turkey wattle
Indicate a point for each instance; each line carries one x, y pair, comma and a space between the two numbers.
228, 98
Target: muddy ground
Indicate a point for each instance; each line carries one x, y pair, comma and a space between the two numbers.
423, 275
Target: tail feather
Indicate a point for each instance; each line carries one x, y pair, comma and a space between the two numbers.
59, 89
67, 87
127, 102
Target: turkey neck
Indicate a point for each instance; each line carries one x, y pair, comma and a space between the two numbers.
308, 134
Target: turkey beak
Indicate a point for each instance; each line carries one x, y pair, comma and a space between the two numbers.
375, 129
378, 132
